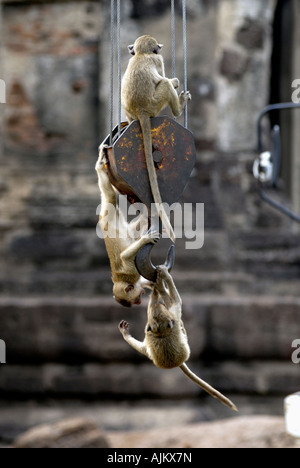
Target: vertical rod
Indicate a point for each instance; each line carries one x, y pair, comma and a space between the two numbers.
185, 57
119, 63
112, 40
173, 38
2, 101
1, 39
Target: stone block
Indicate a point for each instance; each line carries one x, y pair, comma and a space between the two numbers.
71, 433
79, 330
247, 328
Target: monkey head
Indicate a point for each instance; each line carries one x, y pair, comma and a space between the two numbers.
160, 321
128, 294
145, 45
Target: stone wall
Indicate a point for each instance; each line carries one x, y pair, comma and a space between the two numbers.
240, 291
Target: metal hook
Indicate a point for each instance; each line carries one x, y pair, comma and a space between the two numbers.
145, 266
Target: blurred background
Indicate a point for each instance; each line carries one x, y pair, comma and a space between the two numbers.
241, 306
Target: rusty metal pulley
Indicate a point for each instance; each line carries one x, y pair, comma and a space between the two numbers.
174, 155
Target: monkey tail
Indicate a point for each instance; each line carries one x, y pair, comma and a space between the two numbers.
146, 130
212, 391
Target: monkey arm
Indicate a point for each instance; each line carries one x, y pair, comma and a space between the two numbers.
135, 344
139, 225
130, 253
160, 288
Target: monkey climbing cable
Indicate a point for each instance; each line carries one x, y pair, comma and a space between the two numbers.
116, 18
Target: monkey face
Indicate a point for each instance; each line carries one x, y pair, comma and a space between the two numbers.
128, 294
145, 45
131, 49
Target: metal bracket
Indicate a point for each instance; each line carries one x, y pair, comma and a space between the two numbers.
266, 168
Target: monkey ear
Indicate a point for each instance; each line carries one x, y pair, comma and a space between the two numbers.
158, 48
129, 288
131, 49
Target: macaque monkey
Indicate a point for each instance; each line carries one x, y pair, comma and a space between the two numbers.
145, 92
122, 248
166, 342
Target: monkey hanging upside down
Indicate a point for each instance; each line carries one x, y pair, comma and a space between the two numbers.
166, 342
122, 247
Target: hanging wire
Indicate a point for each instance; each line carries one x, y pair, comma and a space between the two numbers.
1, 39
3, 86
112, 71
184, 58
119, 64
1, 31
173, 38
115, 12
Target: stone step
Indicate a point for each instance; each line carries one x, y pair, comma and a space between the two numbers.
78, 249
69, 329
97, 281
144, 380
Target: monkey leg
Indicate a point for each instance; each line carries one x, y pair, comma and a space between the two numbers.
165, 94
135, 344
108, 193
175, 82
171, 298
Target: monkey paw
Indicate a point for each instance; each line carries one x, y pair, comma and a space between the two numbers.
153, 235
124, 327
